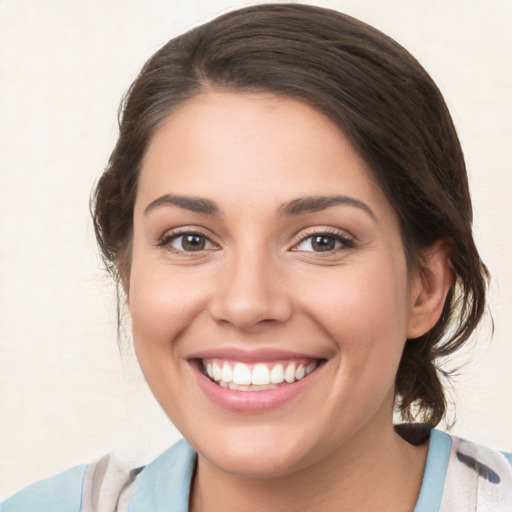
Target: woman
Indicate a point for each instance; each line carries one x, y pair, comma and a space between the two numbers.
287, 214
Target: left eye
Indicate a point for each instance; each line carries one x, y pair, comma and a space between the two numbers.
321, 242
190, 242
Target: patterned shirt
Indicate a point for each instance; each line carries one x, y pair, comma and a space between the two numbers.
459, 477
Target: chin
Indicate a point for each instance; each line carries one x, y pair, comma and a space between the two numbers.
258, 464
253, 454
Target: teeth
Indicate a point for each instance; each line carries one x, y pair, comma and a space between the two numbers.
289, 374
217, 374
310, 367
242, 374
227, 373
250, 388
277, 374
261, 377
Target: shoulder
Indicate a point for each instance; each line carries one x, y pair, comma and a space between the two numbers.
477, 478
108, 485
59, 493
78, 489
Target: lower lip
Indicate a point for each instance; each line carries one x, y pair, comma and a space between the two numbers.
253, 401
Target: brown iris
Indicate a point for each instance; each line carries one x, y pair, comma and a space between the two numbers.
193, 242
322, 243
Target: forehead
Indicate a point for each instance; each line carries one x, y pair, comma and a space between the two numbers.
258, 146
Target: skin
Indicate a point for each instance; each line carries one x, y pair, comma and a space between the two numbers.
259, 284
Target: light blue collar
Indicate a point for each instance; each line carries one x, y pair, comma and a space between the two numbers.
164, 485
434, 477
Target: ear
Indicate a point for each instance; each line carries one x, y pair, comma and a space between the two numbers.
430, 286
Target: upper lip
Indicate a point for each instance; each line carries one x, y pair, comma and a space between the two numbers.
250, 356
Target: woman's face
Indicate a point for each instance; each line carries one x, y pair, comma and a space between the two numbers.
263, 252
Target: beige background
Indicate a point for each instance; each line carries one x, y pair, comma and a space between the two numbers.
66, 395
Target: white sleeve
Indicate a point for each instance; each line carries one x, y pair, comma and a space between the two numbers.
479, 479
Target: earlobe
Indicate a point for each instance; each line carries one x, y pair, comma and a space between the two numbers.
432, 284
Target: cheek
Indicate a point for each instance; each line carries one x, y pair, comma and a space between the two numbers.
161, 305
364, 311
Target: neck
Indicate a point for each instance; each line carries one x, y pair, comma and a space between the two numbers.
376, 471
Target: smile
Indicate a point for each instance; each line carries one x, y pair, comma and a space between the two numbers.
257, 377
255, 381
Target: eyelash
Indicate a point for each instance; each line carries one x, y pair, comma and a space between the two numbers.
345, 242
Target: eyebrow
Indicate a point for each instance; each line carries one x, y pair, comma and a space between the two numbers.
319, 203
295, 207
194, 204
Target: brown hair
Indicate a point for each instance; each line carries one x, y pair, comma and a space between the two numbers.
378, 95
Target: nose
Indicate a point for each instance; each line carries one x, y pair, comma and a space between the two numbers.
251, 293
